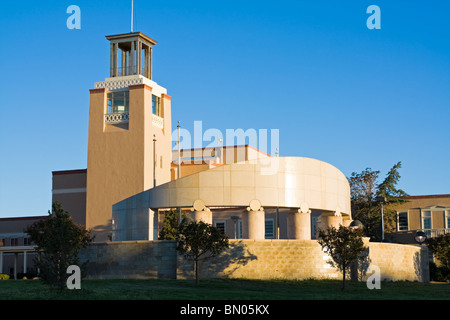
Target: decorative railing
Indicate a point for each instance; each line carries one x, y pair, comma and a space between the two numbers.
157, 121
123, 117
433, 233
113, 118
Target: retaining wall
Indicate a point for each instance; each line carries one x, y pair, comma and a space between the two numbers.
251, 259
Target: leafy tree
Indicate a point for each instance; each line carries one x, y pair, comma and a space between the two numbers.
169, 230
344, 245
440, 246
200, 240
365, 190
60, 240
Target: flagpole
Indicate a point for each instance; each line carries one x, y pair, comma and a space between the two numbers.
131, 16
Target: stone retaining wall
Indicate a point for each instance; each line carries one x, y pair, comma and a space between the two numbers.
131, 259
251, 259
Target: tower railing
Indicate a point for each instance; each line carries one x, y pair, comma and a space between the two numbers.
118, 117
128, 71
123, 117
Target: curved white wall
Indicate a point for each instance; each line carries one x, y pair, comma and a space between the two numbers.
274, 181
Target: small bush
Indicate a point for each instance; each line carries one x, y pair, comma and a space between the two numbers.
4, 277
439, 273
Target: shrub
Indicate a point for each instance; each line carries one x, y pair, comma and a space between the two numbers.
439, 273
4, 277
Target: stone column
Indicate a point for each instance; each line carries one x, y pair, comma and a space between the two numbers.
152, 224
253, 221
330, 219
300, 223
201, 212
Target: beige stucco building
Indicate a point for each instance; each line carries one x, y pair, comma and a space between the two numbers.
133, 176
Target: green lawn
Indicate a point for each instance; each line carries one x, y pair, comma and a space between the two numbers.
223, 289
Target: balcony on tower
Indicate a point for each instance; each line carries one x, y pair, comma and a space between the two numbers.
131, 54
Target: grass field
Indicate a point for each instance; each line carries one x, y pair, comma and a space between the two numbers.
223, 289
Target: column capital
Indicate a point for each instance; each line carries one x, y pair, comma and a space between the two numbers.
255, 205
304, 208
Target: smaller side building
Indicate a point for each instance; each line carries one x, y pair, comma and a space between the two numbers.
428, 213
16, 250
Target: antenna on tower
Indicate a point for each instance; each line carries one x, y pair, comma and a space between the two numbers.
131, 16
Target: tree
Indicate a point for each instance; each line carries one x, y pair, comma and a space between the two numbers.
200, 240
365, 190
440, 247
60, 240
169, 230
344, 245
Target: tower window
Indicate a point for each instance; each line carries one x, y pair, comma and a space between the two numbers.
156, 105
118, 102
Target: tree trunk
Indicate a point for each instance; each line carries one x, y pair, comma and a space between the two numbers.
196, 271
343, 277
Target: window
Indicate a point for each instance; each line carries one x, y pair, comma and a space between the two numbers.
313, 228
26, 241
14, 242
220, 225
269, 229
402, 221
426, 219
156, 105
118, 102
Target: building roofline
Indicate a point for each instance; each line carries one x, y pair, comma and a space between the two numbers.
23, 218
428, 196
77, 171
131, 35
235, 146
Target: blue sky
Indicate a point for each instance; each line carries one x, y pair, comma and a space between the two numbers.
337, 91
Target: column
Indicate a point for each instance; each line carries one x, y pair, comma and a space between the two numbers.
253, 221
153, 224
204, 215
138, 57
123, 71
201, 212
145, 71
300, 224
131, 60
111, 60
150, 52
116, 59
24, 262
15, 265
1, 261
330, 219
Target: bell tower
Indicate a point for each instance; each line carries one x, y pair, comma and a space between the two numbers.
131, 54
129, 142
